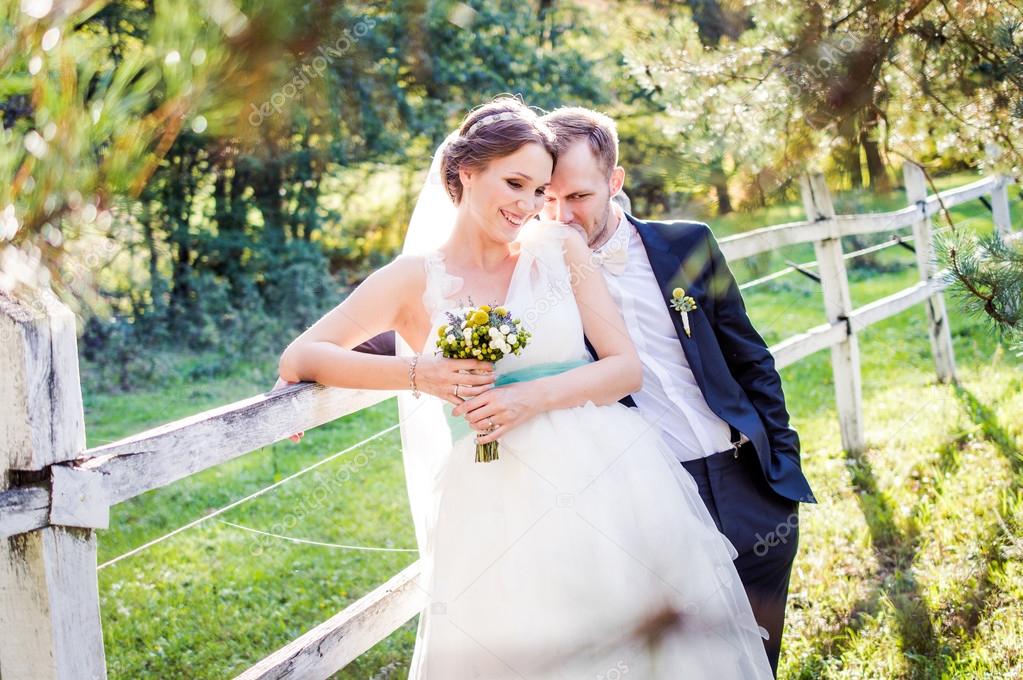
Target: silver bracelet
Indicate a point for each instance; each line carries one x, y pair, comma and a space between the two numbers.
412, 375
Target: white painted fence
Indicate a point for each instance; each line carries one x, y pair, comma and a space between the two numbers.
55, 493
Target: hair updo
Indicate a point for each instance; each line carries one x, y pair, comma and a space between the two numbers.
485, 135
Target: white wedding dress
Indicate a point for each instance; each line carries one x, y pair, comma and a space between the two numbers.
547, 562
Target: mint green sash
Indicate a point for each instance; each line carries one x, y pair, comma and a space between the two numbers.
460, 427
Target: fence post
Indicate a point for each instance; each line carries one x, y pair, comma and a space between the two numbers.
49, 595
937, 316
999, 196
1000, 208
845, 356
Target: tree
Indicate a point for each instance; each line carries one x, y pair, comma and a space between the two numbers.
828, 84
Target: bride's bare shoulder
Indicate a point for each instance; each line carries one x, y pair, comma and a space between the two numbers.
404, 277
403, 268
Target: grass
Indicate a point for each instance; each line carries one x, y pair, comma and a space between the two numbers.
909, 567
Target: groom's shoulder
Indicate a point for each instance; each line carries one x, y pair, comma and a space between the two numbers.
678, 231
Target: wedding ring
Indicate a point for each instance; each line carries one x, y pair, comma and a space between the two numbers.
491, 423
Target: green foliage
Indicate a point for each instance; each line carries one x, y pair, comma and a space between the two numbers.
199, 142
792, 85
986, 273
88, 107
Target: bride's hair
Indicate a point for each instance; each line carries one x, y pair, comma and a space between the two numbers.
493, 130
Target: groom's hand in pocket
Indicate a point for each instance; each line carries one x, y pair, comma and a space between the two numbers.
503, 407
281, 382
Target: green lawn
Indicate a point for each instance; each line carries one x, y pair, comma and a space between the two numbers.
909, 566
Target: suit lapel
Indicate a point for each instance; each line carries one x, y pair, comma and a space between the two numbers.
668, 270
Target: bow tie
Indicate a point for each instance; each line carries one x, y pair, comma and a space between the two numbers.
613, 259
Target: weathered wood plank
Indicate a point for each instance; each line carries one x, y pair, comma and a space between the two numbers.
845, 355
42, 420
798, 347
764, 239
338, 641
967, 192
49, 606
761, 240
49, 597
78, 498
875, 223
937, 317
165, 454
1000, 208
23, 509
893, 304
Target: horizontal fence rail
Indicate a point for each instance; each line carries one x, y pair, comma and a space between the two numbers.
115, 472
55, 493
766, 239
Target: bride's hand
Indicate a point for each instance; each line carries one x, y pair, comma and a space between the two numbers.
505, 407
281, 382
440, 376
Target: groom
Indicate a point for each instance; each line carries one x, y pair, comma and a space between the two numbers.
712, 389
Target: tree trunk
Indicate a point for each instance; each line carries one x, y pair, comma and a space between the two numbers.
175, 205
880, 180
848, 155
719, 181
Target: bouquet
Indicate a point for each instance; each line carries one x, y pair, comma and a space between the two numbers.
485, 333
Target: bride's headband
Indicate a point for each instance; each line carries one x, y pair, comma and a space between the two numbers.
493, 118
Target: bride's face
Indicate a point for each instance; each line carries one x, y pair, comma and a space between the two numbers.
508, 192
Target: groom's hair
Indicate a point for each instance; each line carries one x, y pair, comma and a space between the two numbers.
573, 123
493, 130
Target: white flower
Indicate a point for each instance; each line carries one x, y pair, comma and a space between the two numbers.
512, 339
450, 338
492, 331
504, 329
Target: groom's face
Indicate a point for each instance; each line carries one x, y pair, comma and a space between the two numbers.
579, 193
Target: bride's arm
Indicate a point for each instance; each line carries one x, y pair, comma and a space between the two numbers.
618, 371
384, 301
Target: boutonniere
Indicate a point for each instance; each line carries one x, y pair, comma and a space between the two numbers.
683, 304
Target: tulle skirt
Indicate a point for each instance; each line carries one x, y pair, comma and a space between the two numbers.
584, 551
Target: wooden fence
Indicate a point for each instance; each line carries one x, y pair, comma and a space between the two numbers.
55, 493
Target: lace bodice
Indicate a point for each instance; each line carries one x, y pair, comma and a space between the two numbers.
540, 294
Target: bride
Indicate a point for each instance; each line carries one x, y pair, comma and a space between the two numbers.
584, 551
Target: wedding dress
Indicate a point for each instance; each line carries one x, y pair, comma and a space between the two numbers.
567, 556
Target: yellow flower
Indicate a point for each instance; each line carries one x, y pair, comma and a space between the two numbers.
500, 311
484, 308
478, 317
442, 331
677, 293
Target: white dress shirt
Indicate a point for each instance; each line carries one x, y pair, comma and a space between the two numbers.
670, 396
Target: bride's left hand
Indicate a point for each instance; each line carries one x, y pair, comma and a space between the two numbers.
506, 407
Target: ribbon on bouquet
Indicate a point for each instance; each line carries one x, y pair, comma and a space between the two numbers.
460, 426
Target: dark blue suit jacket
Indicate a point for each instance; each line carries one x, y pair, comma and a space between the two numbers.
729, 359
